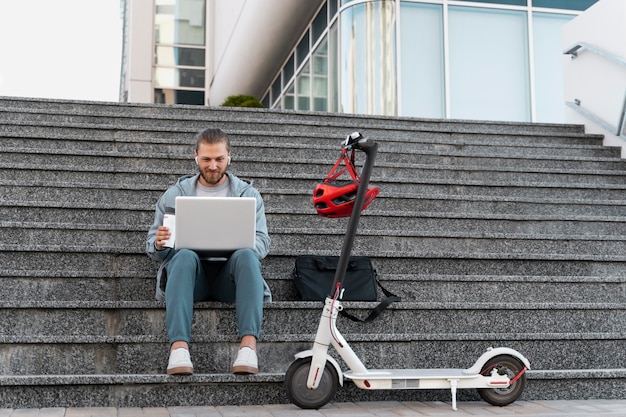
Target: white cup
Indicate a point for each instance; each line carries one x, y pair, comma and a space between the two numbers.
169, 222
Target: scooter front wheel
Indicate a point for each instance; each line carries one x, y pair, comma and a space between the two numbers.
505, 365
304, 397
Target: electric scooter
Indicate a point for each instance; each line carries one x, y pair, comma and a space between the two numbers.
313, 378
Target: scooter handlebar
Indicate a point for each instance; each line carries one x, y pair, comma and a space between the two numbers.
358, 141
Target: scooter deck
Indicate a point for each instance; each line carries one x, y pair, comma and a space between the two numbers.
438, 373
425, 379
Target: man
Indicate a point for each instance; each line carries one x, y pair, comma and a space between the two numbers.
184, 278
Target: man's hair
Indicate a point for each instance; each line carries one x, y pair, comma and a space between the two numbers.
211, 136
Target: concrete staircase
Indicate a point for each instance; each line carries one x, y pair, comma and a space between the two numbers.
494, 234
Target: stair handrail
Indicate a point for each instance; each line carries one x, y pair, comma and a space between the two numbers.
574, 50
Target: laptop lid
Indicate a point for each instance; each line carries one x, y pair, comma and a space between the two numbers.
215, 226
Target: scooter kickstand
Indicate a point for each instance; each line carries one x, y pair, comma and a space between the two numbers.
453, 385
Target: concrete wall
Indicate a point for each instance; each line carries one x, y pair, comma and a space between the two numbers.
593, 80
140, 50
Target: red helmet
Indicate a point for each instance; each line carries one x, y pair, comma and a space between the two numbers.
337, 200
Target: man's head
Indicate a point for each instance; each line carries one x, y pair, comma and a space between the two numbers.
212, 155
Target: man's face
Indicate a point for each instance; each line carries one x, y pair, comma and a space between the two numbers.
212, 163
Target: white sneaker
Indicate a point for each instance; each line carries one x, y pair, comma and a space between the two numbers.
180, 362
246, 362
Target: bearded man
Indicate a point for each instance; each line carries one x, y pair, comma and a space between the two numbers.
184, 277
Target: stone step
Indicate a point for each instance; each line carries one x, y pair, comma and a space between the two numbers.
415, 149
94, 113
372, 241
61, 261
411, 286
319, 168
280, 216
389, 204
298, 184
412, 145
146, 319
128, 355
131, 391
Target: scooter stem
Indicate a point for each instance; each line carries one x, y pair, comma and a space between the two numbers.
370, 148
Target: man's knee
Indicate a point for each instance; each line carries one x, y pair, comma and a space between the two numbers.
184, 258
244, 255
244, 262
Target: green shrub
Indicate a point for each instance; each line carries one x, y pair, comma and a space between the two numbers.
241, 101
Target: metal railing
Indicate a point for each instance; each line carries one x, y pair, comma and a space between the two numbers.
620, 129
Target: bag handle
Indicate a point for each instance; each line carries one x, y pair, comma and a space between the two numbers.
324, 265
378, 310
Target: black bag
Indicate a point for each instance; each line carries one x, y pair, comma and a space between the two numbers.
314, 275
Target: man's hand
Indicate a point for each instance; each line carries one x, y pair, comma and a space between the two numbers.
162, 235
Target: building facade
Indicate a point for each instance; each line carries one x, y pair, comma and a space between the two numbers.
484, 60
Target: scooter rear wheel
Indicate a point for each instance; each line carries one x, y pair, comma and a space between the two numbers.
506, 365
304, 397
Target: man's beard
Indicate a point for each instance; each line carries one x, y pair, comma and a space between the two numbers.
212, 177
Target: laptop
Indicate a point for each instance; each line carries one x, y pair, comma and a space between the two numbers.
215, 226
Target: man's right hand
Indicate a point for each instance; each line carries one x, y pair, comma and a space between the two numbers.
162, 235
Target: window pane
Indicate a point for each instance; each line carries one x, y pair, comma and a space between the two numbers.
303, 49
489, 75
289, 99
304, 88
180, 22
172, 56
511, 2
421, 60
368, 69
320, 23
549, 91
333, 70
178, 77
334, 7
170, 96
288, 71
565, 4
276, 89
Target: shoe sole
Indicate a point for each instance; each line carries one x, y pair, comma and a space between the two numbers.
244, 370
180, 370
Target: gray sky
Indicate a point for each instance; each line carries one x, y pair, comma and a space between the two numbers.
67, 49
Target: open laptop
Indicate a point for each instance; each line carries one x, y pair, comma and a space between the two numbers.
215, 226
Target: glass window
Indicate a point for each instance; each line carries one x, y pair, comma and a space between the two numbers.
304, 88
422, 60
276, 89
289, 99
334, 8
288, 70
549, 91
171, 56
180, 22
178, 77
565, 4
368, 68
333, 69
510, 2
171, 96
303, 49
320, 77
489, 75
320, 23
